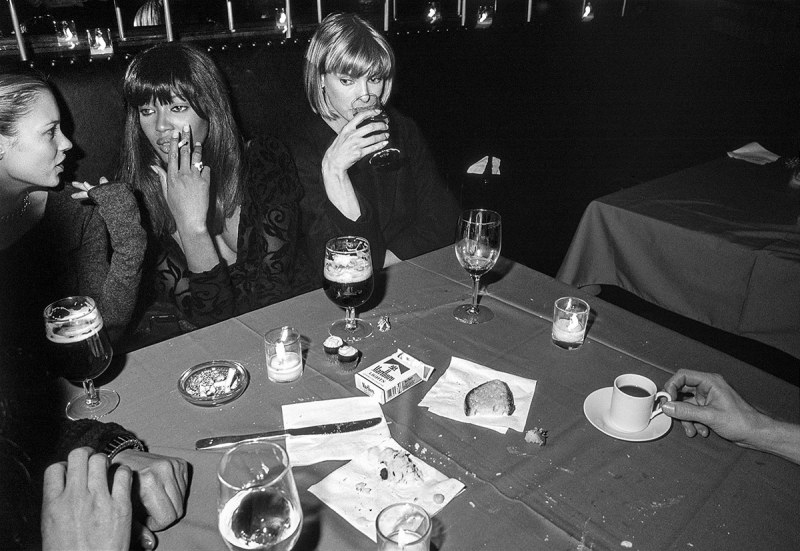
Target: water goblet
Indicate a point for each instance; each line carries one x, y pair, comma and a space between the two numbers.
348, 282
258, 505
388, 158
477, 247
75, 326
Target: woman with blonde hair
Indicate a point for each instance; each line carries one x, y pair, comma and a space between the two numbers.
402, 212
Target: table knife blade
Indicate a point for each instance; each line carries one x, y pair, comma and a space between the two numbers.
219, 442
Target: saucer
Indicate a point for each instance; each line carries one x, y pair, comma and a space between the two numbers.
596, 406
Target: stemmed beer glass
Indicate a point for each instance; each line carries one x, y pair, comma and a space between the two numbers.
388, 158
76, 326
258, 505
348, 283
477, 248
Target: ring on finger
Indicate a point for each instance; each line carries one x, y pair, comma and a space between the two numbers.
198, 165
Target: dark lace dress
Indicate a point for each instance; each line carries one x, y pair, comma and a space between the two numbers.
270, 266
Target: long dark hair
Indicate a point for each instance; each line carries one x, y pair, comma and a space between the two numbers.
185, 71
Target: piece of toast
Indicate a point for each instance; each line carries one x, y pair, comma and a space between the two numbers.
491, 398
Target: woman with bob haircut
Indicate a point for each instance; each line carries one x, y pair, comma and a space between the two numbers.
402, 213
223, 216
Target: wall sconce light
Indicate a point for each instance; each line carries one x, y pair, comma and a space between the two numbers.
485, 17
281, 21
433, 14
587, 12
65, 34
99, 41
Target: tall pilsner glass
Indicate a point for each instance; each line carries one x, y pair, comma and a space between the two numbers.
75, 325
348, 282
477, 246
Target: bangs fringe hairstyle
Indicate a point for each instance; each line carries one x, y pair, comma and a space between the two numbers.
155, 75
345, 44
18, 93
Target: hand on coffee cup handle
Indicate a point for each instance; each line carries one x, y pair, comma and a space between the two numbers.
659, 404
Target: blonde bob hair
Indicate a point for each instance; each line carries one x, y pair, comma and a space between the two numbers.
345, 44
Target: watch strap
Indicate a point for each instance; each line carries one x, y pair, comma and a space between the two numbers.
121, 443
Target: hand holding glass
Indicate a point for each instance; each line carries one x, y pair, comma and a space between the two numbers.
75, 325
388, 158
258, 505
478, 243
348, 283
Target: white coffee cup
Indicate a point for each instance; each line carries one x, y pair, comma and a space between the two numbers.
632, 400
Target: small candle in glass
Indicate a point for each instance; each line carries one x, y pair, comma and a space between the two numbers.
284, 354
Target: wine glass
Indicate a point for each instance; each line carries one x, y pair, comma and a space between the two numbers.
258, 504
477, 249
75, 326
388, 158
348, 283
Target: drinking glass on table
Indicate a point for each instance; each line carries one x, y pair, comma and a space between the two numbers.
348, 282
388, 158
477, 246
258, 504
75, 326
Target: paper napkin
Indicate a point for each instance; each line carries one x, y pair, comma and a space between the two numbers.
754, 153
357, 492
446, 397
306, 450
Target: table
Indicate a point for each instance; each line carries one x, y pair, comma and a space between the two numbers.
583, 490
718, 243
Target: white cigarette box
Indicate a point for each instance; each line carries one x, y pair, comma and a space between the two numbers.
393, 375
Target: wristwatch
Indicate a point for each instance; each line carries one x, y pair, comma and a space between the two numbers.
120, 443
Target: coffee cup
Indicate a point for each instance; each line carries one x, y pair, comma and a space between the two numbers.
635, 400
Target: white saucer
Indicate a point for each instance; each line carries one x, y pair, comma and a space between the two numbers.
596, 407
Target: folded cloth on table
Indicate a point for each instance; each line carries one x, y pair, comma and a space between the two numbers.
446, 397
306, 450
358, 492
754, 152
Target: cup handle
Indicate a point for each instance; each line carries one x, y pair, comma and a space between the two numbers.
657, 399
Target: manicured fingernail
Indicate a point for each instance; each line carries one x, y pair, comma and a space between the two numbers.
185, 127
197, 144
176, 134
668, 407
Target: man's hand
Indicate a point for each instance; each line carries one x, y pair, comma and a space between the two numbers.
79, 511
160, 484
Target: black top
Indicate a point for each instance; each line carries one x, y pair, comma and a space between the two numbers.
408, 211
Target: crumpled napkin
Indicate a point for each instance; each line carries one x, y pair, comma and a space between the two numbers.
306, 450
446, 397
480, 166
754, 152
357, 492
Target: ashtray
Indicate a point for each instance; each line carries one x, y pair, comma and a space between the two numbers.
213, 383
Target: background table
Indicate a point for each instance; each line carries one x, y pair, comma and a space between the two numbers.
582, 489
718, 243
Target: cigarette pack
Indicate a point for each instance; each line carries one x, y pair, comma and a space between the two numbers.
393, 375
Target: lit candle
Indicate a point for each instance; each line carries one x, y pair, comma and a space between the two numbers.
386, 16
285, 366
463, 13
530, 7
23, 55
168, 21
319, 11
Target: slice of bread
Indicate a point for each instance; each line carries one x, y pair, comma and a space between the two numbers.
491, 398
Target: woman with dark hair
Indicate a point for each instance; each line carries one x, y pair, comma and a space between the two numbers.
224, 217
402, 213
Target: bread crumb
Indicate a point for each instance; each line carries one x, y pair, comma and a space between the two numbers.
536, 436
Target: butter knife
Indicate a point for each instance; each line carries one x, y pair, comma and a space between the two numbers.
219, 442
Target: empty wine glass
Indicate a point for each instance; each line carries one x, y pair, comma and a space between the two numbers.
477, 248
258, 503
388, 158
75, 325
348, 282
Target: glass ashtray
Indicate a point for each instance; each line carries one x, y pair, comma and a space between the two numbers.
213, 383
